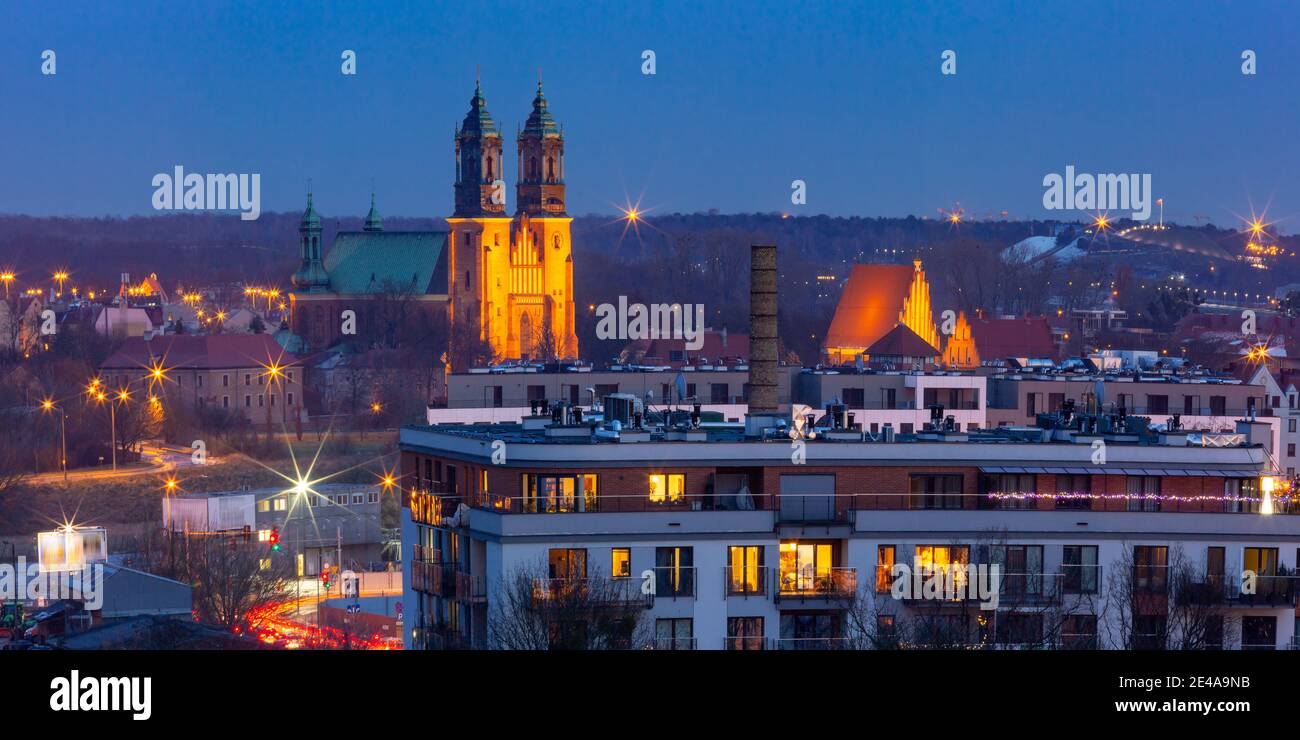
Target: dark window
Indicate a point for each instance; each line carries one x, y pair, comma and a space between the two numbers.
674, 634
1241, 495
1074, 492
936, 491
1143, 492
1079, 632
1218, 405
718, 393
1080, 573
1149, 632
1157, 404
1258, 633
1150, 569
853, 398
744, 633
674, 571
1009, 491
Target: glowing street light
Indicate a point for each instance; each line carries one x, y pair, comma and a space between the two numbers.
6, 277
48, 406
60, 277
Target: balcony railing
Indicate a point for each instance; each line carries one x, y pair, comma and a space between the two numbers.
1266, 591
748, 642
1081, 579
814, 643
674, 643
613, 592
674, 582
828, 583
470, 587
748, 580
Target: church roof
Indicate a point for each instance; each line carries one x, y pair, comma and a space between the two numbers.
185, 351
901, 342
998, 339
362, 262
869, 307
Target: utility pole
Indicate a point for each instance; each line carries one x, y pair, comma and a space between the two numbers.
112, 423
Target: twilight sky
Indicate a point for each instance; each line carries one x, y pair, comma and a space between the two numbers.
748, 96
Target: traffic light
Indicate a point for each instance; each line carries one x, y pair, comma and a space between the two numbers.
274, 539
325, 577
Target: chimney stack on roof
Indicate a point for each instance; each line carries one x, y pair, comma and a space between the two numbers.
762, 329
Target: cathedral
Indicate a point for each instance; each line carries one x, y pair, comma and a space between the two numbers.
509, 278
512, 276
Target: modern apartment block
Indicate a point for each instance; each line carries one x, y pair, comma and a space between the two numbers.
723, 540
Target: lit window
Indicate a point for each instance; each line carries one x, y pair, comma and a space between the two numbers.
621, 562
667, 488
281, 503
264, 564
264, 505
263, 535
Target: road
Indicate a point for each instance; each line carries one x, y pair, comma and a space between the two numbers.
156, 457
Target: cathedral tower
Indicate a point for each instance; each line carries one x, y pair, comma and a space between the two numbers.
512, 278
311, 276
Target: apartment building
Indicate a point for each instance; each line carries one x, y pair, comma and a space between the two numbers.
1106, 533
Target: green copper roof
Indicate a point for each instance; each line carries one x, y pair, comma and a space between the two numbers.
363, 261
478, 120
540, 123
373, 221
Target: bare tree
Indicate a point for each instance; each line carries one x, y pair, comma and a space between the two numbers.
535, 612
231, 578
1173, 605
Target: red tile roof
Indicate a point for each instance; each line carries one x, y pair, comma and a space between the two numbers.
186, 351
998, 339
716, 348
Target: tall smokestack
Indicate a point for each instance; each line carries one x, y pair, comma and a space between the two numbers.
762, 329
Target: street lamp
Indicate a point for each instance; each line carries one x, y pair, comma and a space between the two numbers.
6, 277
47, 406
121, 396
60, 277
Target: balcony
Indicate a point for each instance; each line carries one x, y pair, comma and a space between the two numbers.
748, 642
745, 581
674, 643
810, 509
1081, 580
471, 588
814, 643
674, 582
824, 584
609, 592
1271, 591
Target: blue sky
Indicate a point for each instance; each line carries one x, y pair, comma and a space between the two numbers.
747, 97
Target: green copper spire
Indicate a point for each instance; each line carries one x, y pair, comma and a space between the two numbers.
540, 123
478, 121
310, 219
373, 221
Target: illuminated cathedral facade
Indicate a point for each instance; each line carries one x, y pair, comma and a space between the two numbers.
510, 277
